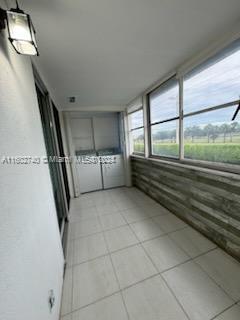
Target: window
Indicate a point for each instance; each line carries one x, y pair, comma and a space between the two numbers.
215, 82
210, 136
210, 99
164, 119
136, 131
208, 126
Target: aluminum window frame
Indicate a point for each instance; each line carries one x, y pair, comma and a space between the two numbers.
150, 125
220, 166
210, 164
132, 152
210, 60
179, 74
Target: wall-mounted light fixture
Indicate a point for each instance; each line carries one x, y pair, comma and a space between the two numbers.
21, 31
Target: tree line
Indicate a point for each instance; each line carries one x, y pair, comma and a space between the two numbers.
211, 132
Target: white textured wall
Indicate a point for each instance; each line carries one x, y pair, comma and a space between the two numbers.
31, 259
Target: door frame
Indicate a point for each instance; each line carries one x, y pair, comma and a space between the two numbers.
59, 136
43, 89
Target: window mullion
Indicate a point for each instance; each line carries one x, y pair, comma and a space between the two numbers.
221, 106
134, 130
137, 128
146, 127
181, 133
163, 121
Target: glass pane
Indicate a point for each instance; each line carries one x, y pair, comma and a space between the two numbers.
216, 83
164, 102
25, 47
212, 136
18, 26
138, 140
165, 140
136, 119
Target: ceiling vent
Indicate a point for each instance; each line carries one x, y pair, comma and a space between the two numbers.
72, 99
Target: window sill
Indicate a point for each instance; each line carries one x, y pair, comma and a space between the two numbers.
138, 154
219, 169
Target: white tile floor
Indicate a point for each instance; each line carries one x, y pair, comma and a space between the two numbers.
129, 258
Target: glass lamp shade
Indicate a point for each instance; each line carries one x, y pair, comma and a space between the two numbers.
21, 33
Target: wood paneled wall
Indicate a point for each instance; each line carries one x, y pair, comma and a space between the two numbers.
208, 200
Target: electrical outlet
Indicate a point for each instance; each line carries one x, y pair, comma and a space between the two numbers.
51, 300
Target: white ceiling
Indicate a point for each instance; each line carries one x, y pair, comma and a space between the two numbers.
106, 52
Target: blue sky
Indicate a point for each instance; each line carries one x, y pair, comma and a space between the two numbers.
217, 84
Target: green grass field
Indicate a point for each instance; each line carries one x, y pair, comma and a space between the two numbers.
215, 152
138, 146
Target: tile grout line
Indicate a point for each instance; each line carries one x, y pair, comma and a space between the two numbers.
164, 280
199, 255
91, 303
178, 265
72, 267
228, 308
121, 290
112, 294
158, 274
141, 242
210, 277
115, 273
126, 247
136, 283
136, 244
73, 240
190, 259
129, 224
135, 201
152, 238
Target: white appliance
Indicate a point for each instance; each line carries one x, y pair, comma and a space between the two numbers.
97, 135
90, 176
113, 173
